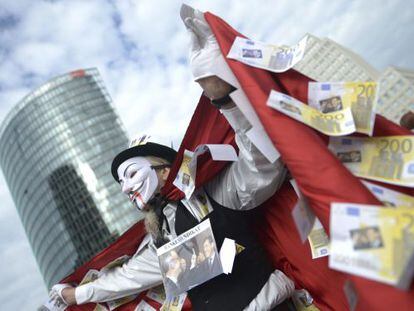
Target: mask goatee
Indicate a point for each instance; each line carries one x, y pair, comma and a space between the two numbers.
152, 224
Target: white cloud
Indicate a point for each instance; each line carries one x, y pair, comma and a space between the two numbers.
140, 48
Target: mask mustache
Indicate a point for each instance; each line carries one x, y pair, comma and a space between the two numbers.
135, 192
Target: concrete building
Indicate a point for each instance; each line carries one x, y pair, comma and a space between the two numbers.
396, 94
57, 145
326, 60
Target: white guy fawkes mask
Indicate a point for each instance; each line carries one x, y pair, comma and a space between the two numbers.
138, 180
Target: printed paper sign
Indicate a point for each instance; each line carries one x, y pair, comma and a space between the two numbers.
189, 260
302, 214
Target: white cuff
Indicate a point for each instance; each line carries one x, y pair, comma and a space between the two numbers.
83, 294
236, 118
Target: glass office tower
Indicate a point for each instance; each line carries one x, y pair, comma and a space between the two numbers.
57, 145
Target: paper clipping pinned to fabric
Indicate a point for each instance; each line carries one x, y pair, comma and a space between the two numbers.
189, 260
187, 174
227, 255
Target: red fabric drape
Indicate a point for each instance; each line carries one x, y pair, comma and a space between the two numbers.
206, 126
320, 176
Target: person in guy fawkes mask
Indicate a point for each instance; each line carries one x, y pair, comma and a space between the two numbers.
142, 171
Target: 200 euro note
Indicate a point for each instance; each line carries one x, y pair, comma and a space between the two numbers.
361, 97
266, 56
335, 123
90, 276
388, 197
388, 159
113, 304
373, 242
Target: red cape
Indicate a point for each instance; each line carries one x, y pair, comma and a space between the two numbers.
319, 174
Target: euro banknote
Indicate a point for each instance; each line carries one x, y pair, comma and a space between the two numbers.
361, 97
90, 276
174, 304
302, 214
309, 226
157, 294
100, 307
318, 240
388, 197
54, 303
303, 301
374, 242
335, 123
267, 56
114, 304
388, 159
185, 179
144, 306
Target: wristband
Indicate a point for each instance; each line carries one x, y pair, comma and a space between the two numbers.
220, 102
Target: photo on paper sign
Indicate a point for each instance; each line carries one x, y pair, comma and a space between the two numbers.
189, 260
366, 238
252, 53
331, 104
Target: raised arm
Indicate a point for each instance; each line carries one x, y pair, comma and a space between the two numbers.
252, 179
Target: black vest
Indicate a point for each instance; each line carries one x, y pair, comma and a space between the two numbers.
251, 268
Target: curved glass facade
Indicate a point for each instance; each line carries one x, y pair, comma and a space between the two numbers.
57, 145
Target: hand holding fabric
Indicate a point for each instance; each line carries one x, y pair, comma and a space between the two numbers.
203, 45
57, 291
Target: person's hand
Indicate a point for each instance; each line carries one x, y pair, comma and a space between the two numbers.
205, 54
407, 120
204, 49
65, 292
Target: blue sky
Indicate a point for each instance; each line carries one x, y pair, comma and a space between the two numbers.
141, 49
